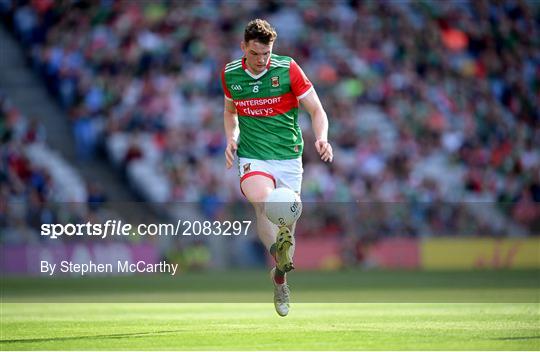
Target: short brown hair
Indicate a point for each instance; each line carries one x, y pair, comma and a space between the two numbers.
261, 31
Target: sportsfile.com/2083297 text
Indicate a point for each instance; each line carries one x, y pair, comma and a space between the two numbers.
119, 228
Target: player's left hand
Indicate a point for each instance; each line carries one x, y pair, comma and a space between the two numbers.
325, 150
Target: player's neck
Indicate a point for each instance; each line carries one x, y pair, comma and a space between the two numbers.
253, 72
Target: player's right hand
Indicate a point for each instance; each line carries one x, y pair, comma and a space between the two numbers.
230, 152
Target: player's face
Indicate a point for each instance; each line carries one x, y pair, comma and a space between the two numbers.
257, 55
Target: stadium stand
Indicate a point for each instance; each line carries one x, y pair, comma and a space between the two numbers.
37, 185
428, 104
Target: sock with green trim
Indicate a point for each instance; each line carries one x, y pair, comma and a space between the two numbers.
273, 251
279, 277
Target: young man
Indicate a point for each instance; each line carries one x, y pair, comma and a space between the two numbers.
262, 94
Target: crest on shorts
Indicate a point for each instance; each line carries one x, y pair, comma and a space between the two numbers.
275, 81
247, 168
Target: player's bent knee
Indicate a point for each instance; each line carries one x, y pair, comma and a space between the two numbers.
256, 188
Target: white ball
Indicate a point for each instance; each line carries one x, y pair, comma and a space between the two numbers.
283, 206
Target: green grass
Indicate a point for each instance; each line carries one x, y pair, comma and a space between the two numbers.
255, 326
353, 286
484, 310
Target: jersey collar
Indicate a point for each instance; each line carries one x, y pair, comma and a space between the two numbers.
245, 68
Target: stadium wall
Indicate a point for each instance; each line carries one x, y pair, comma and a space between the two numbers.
26, 259
480, 253
446, 253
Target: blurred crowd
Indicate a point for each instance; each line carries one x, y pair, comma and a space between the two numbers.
37, 186
429, 102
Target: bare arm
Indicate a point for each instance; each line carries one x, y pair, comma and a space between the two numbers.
230, 119
319, 122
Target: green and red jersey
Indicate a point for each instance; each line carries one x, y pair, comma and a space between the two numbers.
267, 107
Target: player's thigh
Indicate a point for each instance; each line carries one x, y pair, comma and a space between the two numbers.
288, 173
256, 188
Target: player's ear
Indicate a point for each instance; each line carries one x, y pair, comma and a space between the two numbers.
243, 46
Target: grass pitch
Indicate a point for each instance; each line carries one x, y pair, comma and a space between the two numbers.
255, 326
392, 311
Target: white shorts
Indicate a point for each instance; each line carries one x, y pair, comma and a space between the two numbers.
284, 173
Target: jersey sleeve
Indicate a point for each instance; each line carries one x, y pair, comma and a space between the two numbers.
300, 84
226, 91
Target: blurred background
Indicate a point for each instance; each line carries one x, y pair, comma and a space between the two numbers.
113, 110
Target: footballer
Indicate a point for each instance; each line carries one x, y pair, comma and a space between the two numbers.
262, 95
